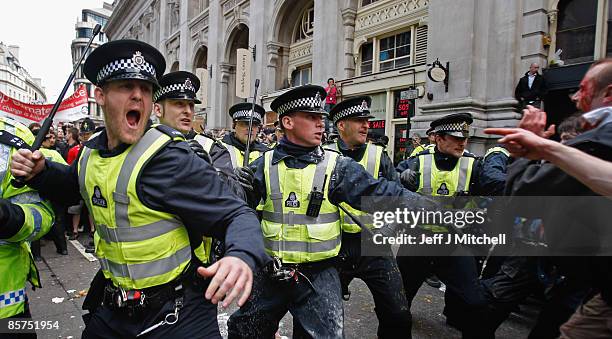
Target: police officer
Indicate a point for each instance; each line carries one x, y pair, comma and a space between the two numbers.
235, 142
448, 171
152, 200
428, 147
24, 217
301, 185
175, 107
380, 273
278, 134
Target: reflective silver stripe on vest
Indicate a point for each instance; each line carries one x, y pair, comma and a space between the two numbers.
371, 165
148, 269
232, 151
206, 143
464, 164
291, 218
299, 219
365, 219
300, 246
120, 195
82, 175
130, 234
124, 232
333, 146
5, 154
427, 159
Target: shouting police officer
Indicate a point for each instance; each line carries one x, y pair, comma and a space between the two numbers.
152, 199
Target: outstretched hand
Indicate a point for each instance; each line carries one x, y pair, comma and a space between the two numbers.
523, 143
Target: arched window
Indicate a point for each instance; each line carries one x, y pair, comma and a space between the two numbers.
576, 30
306, 26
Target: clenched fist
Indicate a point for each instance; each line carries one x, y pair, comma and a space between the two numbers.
27, 164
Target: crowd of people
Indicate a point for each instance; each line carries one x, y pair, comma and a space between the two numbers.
182, 220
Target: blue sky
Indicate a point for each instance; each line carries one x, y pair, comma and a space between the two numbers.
44, 29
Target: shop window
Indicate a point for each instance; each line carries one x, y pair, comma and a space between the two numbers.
301, 76
367, 55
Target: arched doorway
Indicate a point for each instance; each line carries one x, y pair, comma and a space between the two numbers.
293, 24
175, 67
239, 38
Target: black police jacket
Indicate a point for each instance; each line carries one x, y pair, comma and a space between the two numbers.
175, 181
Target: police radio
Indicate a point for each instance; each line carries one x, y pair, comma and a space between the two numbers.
315, 200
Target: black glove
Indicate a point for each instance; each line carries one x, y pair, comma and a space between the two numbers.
199, 150
4, 204
409, 179
245, 177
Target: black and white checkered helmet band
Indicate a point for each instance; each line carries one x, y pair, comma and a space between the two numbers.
171, 88
310, 103
349, 111
125, 64
245, 114
454, 127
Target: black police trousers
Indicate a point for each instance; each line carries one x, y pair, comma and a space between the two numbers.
518, 278
464, 298
197, 319
383, 278
317, 307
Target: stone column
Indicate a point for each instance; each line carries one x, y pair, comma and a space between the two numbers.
272, 64
215, 19
348, 22
327, 58
225, 71
481, 49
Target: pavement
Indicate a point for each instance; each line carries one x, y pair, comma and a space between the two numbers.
66, 278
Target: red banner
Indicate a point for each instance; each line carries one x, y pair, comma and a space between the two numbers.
71, 109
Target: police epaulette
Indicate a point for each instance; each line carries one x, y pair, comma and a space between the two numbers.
169, 131
14, 141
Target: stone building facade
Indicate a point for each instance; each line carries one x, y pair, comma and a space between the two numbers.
380, 48
15, 81
84, 30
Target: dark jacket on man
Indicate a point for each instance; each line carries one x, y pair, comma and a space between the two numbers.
538, 89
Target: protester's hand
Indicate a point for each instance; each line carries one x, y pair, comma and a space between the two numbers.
27, 164
229, 275
409, 179
523, 143
199, 150
245, 177
534, 120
